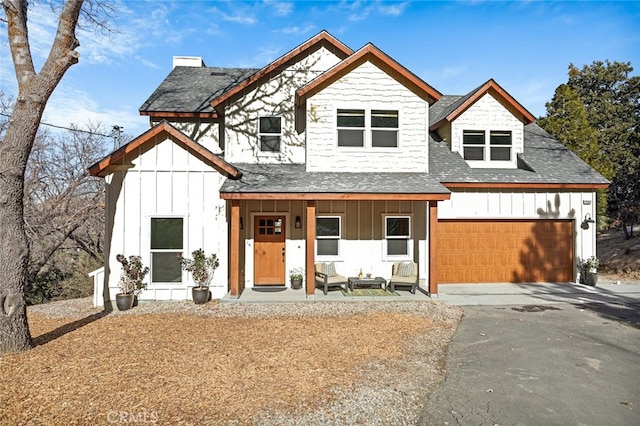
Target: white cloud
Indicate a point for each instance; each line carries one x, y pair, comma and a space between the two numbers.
394, 9
241, 16
279, 8
298, 30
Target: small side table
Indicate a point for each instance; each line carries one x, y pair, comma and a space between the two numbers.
378, 282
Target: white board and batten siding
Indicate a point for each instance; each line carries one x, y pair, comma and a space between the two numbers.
274, 98
367, 87
166, 181
533, 205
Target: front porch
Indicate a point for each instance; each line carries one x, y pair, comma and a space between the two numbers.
288, 295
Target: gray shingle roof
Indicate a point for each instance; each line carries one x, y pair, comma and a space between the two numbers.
545, 161
292, 178
191, 89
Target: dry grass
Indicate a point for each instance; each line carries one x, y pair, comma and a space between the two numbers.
620, 258
181, 368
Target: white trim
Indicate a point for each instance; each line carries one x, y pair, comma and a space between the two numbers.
328, 258
367, 129
409, 239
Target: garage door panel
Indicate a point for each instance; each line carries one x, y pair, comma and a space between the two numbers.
505, 251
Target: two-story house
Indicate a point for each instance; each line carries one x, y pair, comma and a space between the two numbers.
330, 154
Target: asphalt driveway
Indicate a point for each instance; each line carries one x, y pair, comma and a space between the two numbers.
542, 364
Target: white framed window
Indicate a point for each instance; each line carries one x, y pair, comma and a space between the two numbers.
498, 147
167, 242
397, 234
367, 128
270, 133
328, 235
351, 125
384, 128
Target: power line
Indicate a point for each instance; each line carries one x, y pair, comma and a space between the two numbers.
116, 128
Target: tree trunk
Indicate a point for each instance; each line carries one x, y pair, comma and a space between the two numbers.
33, 93
14, 253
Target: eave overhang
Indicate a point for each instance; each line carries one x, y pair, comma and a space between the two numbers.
496, 91
333, 196
323, 38
369, 53
105, 166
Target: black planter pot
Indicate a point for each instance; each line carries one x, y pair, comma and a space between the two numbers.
200, 295
124, 301
590, 278
296, 284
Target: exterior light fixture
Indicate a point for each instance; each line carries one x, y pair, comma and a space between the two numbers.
587, 220
241, 224
298, 223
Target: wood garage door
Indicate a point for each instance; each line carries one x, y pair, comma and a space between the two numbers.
493, 251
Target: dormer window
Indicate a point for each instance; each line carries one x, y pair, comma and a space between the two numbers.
476, 149
270, 134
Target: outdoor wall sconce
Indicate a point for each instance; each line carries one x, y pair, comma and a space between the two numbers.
241, 224
298, 223
587, 220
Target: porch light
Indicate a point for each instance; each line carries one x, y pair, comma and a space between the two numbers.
587, 220
298, 223
241, 224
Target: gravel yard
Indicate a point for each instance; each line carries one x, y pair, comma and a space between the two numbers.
233, 364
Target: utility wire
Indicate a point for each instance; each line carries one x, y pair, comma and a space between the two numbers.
70, 129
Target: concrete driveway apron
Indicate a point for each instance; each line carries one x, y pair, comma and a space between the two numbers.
542, 364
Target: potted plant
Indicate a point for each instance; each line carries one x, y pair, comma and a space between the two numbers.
589, 270
295, 278
131, 280
201, 268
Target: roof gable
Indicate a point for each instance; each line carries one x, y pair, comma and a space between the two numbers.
456, 108
101, 168
321, 39
377, 57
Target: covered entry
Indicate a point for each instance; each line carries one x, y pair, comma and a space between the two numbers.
493, 251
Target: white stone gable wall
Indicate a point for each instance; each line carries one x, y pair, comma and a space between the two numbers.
487, 114
367, 87
276, 97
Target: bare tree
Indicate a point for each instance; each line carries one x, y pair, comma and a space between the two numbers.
34, 90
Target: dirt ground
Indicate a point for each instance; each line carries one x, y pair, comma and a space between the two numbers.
176, 368
619, 257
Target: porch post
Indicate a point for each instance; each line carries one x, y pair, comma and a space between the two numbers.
310, 240
234, 251
433, 247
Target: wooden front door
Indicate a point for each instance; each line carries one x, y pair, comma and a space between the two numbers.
269, 250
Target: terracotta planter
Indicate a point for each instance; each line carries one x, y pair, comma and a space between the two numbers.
200, 295
124, 301
296, 284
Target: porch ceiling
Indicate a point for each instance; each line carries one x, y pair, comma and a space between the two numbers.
292, 181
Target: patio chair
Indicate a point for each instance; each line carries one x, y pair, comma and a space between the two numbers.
326, 276
404, 274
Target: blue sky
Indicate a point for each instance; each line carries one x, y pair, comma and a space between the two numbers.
455, 46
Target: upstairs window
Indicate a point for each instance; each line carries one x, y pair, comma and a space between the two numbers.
328, 232
270, 134
351, 127
500, 146
397, 235
473, 145
476, 148
384, 129
166, 245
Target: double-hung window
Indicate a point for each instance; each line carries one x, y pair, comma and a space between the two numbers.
500, 145
384, 128
351, 127
475, 147
359, 128
328, 232
270, 133
166, 246
397, 233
